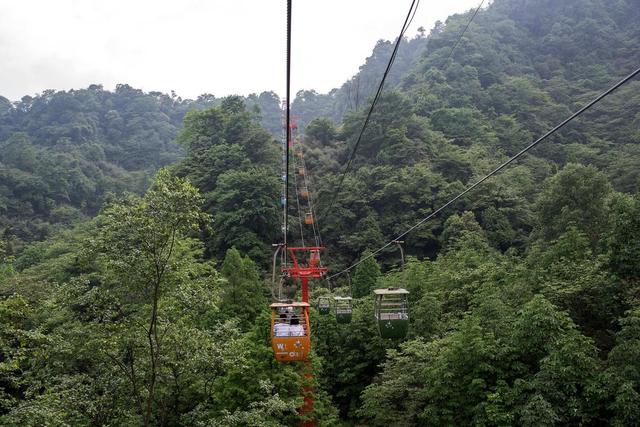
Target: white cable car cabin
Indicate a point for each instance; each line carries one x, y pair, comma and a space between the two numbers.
392, 312
290, 331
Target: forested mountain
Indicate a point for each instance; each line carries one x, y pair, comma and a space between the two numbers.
234, 164
454, 119
523, 295
62, 152
354, 94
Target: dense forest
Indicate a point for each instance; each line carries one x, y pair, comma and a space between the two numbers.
62, 152
136, 232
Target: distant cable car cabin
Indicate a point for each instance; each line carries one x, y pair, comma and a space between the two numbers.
301, 171
304, 194
308, 218
392, 312
314, 258
324, 305
290, 331
343, 309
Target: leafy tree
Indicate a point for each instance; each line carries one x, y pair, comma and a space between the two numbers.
6, 263
349, 354
623, 372
366, 276
576, 280
321, 130
475, 376
233, 162
139, 241
243, 295
623, 243
16, 338
458, 228
577, 196
245, 211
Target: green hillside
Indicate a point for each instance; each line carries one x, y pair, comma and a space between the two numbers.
62, 152
143, 297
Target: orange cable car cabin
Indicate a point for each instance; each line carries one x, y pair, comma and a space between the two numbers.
308, 218
290, 331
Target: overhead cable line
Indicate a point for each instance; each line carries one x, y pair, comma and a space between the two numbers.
307, 183
496, 170
288, 127
455, 45
295, 184
407, 22
405, 25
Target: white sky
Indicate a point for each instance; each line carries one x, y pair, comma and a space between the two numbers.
196, 46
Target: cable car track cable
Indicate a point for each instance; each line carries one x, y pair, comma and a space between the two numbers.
295, 184
405, 25
379, 91
307, 184
496, 170
462, 33
288, 126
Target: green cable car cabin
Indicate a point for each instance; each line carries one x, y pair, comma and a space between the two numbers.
290, 331
392, 312
343, 309
324, 305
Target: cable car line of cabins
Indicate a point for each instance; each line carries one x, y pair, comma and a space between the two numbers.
290, 320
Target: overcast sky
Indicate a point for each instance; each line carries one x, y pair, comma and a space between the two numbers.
196, 46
